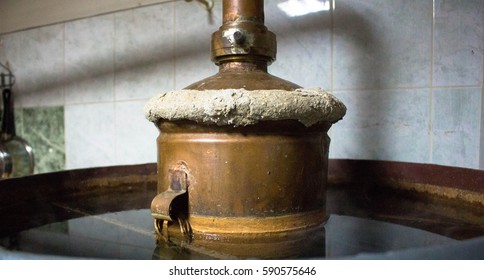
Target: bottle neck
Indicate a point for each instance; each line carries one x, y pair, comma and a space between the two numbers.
8, 121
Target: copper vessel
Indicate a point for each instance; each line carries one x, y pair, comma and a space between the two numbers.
217, 180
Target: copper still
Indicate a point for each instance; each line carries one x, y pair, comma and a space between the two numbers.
242, 153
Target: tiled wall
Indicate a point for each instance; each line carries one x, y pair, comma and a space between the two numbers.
409, 71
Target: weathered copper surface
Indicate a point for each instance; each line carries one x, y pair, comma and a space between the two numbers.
249, 10
247, 75
273, 169
173, 196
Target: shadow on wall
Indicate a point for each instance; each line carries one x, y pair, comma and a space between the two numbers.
103, 68
366, 114
387, 117
193, 45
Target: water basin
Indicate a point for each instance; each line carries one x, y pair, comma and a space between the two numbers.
377, 210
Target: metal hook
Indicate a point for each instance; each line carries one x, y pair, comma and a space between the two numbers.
207, 3
7, 80
6, 67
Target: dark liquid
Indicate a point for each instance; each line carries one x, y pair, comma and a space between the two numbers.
130, 235
102, 213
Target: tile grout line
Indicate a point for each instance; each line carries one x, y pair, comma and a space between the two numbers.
331, 41
114, 96
481, 127
64, 85
431, 93
331, 63
114, 58
174, 43
480, 150
116, 144
406, 88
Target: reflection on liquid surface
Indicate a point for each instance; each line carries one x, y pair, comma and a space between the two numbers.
130, 235
101, 213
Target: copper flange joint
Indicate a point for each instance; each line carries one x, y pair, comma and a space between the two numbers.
243, 38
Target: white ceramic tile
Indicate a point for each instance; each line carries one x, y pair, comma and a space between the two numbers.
36, 59
481, 146
458, 42
382, 44
135, 136
383, 125
194, 29
144, 57
3, 55
303, 46
89, 51
456, 127
90, 135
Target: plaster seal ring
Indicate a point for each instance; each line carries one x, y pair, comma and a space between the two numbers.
240, 107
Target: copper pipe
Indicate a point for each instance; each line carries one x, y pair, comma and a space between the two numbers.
234, 10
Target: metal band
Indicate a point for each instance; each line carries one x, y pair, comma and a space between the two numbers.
256, 225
